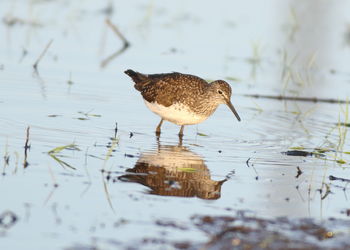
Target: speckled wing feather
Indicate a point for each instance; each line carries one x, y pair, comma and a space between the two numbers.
167, 89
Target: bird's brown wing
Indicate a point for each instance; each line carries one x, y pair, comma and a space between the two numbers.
168, 89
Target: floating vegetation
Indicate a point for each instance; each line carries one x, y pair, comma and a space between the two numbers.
324, 150
341, 161
53, 154
232, 78
342, 130
60, 148
87, 115
297, 148
318, 153
343, 124
111, 148
201, 134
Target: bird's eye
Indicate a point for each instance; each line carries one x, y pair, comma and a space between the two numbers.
220, 92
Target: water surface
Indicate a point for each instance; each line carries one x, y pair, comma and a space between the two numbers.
112, 189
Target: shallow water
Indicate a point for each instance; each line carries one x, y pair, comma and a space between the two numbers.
110, 190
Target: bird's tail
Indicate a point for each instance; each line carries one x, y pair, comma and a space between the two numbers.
140, 80
136, 76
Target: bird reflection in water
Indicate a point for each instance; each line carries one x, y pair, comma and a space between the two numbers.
174, 171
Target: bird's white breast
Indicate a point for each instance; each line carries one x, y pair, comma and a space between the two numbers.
176, 113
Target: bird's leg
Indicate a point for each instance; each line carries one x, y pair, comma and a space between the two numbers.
180, 141
158, 127
181, 133
158, 142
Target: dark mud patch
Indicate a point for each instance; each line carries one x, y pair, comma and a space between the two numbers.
243, 232
171, 224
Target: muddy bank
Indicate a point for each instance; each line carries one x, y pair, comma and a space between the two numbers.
244, 231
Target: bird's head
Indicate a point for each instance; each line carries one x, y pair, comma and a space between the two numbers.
221, 93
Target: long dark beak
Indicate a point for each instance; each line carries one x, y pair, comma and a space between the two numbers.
229, 104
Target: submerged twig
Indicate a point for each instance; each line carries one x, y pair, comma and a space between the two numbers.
117, 32
342, 131
6, 159
111, 57
24, 54
52, 177
328, 191
247, 162
26, 147
298, 153
299, 172
111, 147
126, 44
108, 197
16, 163
55, 185
295, 98
334, 178
87, 173
41, 83
115, 130
35, 65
